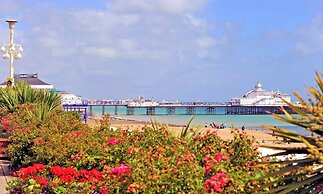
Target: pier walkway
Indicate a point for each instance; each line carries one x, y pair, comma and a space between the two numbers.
177, 109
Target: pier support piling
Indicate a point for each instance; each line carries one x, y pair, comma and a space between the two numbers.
103, 110
91, 111
210, 111
130, 111
150, 111
115, 110
190, 110
170, 111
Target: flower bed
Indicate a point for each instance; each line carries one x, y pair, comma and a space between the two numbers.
62, 155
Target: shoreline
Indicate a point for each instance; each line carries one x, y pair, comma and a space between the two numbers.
263, 137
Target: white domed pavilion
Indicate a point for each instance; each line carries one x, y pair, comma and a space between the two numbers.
260, 97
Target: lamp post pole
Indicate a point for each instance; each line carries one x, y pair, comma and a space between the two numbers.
13, 51
11, 46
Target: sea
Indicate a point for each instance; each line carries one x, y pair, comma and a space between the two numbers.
255, 122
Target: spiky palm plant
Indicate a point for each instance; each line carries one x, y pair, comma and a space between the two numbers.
22, 93
51, 99
302, 175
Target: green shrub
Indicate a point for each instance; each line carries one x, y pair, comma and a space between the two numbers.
156, 161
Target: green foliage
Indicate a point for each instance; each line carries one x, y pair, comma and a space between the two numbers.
73, 113
157, 160
301, 175
21, 93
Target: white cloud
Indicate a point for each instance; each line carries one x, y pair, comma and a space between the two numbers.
160, 6
100, 52
208, 42
49, 42
194, 21
137, 40
8, 7
127, 44
311, 37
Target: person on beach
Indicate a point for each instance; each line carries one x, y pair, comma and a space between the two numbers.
243, 128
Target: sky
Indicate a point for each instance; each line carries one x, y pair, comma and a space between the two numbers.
187, 50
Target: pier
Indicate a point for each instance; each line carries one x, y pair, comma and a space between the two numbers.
254, 102
189, 108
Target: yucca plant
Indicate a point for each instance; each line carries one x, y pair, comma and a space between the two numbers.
51, 99
300, 175
22, 93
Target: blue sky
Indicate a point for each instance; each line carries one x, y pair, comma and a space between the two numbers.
208, 50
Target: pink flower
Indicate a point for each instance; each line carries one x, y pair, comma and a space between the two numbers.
113, 141
119, 171
207, 169
220, 175
207, 159
216, 183
219, 157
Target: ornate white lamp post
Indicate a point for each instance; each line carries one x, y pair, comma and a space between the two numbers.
11, 51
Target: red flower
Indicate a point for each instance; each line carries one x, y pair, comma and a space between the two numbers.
22, 173
36, 177
56, 170
104, 190
25, 172
5, 124
95, 173
82, 180
54, 184
42, 181
39, 167
66, 178
69, 171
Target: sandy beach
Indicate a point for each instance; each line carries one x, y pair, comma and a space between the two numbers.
262, 136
